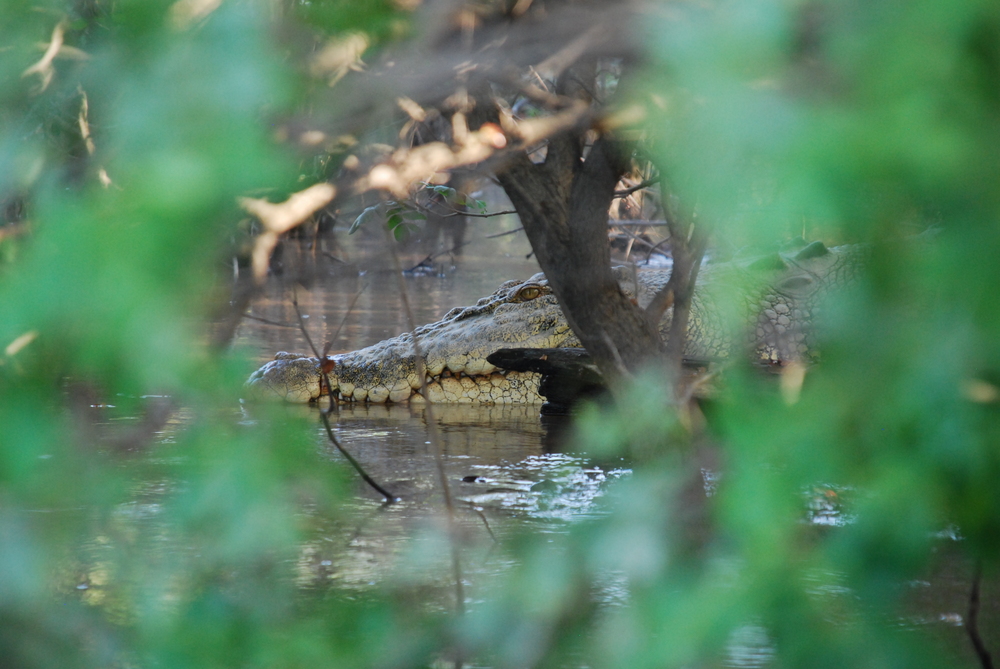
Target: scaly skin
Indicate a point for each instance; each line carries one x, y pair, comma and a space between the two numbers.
777, 296
455, 348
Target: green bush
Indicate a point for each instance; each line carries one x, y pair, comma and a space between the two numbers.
862, 123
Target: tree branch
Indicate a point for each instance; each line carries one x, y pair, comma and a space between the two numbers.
972, 622
645, 184
325, 414
278, 219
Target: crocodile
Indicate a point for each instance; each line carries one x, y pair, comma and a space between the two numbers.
776, 297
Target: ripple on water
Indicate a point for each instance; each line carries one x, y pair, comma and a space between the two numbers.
551, 486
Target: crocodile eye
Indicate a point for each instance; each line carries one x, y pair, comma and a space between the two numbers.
528, 293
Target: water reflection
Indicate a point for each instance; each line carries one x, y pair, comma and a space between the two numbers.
501, 479
749, 647
327, 289
497, 459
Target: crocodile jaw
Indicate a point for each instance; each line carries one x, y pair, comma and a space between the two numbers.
291, 377
488, 388
296, 378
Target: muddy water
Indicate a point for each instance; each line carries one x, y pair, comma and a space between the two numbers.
498, 460
363, 275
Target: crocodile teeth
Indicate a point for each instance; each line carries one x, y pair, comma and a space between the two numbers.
400, 394
378, 394
478, 367
457, 362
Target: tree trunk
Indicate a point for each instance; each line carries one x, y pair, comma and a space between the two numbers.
563, 204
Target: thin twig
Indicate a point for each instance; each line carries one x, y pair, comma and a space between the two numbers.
655, 248
456, 247
333, 257
43, 68
350, 308
433, 432
972, 622
457, 212
504, 234
475, 215
324, 414
270, 322
631, 189
652, 247
302, 325
480, 513
637, 222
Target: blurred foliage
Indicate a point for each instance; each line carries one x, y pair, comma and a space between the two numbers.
378, 20
859, 122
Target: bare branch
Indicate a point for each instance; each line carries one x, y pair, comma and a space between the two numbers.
534, 130
539, 94
43, 67
456, 247
350, 308
88, 140
455, 212
972, 622
471, 214
324, 415
270, 322
553, 66
645, 184
278, 219
421, 163
486, 522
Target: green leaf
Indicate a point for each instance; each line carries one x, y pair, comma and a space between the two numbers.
366, 216
400, 233
447, 192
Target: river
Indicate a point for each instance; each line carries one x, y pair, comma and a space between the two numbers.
503, 465
509, 470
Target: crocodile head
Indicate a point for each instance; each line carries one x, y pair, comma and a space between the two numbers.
454, 350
